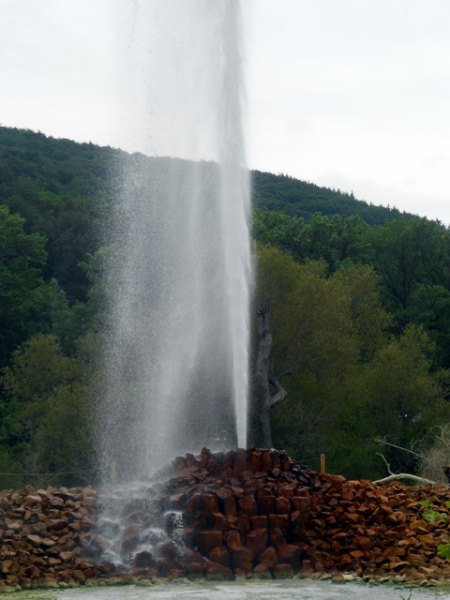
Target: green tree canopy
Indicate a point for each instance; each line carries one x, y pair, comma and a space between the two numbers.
47, 413
27, 303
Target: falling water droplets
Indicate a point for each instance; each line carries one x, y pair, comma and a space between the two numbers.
178, 272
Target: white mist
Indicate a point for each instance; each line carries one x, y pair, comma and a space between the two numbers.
179, 275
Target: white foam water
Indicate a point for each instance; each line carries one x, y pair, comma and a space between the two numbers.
130, 522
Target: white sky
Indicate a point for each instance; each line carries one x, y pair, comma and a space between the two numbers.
352, 94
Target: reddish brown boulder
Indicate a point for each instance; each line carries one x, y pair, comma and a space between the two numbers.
195, 568
230, 507
282, 571
301, 503
247, 504
79, 576
219, 521
279, 522
194, 504
240, 462
257, 541
143, 559
205, 455
259, 522
207, 540
176, 573
36, 540
221, 555
277, 537
276, 459
290, 553
255, 461
266, 504
215, 571
243, 525
188, 536
210, 503
262, 571
266, 460
241, 558
286, 463
194, 562
269, 557
223, 492
283, 505
200, 521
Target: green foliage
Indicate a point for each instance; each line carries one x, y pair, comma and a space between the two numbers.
10, 470
369, 318
444, 550
308, 312
359, 301
332, 239
348, 380
408, 254
27, 303
400, 399
60, 188
316, 324
62, 442
47, 411
433, 515
302, 199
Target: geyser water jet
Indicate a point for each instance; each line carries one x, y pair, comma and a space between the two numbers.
179, 268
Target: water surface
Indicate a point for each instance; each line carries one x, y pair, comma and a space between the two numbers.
289, 590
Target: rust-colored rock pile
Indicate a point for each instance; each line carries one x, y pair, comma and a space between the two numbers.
255, 511
252, 512
42, 535
244, 512
389, 531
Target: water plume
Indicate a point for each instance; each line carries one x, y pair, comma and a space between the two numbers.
179, 268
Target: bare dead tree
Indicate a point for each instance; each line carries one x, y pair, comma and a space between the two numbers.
268, 390
396, 476
434, 461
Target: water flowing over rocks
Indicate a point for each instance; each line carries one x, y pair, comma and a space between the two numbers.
240, 513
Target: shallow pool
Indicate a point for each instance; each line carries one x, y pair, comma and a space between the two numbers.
271, 590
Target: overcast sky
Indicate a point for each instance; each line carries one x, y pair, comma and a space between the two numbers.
351, 94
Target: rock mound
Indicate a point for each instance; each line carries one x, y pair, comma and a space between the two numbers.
252, 512
43, 533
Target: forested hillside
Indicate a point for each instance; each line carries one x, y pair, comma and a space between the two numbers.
356, 297
302, 199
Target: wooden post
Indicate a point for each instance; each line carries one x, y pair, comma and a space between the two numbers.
322, 463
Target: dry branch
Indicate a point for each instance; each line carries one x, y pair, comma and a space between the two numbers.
415, 478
